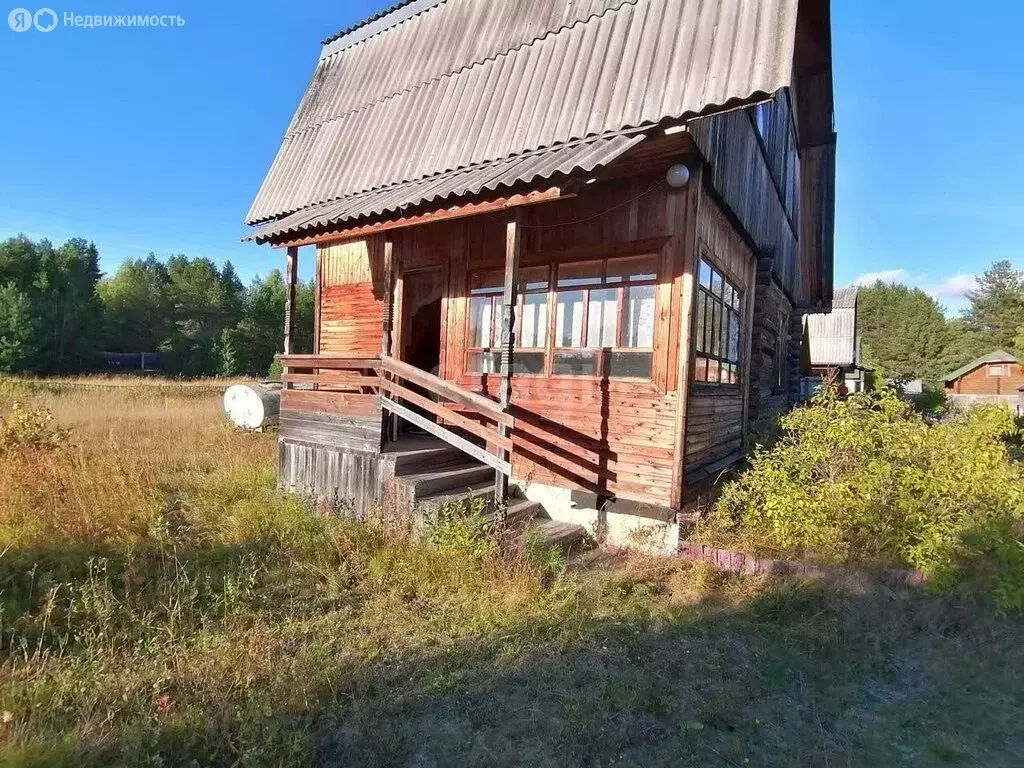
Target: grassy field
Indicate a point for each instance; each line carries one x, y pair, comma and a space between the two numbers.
162, 605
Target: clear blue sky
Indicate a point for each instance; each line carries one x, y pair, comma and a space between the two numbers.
157, 139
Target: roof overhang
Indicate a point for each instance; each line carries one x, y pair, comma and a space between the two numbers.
479, 189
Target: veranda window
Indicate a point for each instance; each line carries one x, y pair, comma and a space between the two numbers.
531, 327
604, 318
717, 327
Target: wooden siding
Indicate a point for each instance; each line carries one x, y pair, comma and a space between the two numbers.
748, 173
313, 428
616, 436
346, 478
715, 414
351, 297
978, 382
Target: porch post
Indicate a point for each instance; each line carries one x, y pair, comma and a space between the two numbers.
388, 421
290, 274
508, 340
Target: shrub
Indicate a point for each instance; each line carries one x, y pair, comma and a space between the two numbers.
462, 526
30, 428
865, 480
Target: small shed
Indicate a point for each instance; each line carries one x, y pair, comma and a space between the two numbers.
834, 344
996, 376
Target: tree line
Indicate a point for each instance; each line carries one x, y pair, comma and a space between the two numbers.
59, 313
906, 334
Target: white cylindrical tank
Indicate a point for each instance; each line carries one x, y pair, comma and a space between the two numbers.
253, 406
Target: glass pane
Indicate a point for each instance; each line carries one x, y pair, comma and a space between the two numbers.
716, 283
725, 333
737, 299
723, 374
528, 362
705, 274
533, 320
734, 337
716, 329
638, 320
633, 365
533, 278
699, 321
574, 275
496, 311
569, 319
633, 270
604, 304
483, 362
700, 369
480, 321
575, 364
712, 371
486, 283
728, 295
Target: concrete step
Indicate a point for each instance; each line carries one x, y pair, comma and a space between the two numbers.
458, 477
543, 534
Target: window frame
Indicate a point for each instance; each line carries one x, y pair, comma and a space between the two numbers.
602, 354
1003, 370
496, 310
552, 348
737, 307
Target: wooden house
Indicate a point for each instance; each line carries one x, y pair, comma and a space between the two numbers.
996, 376
562, 246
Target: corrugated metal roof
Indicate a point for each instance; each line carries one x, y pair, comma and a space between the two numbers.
833, 335
608, 65
999, 356
844, 298
561, 160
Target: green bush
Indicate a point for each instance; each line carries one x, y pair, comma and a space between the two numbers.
462, 526
864, 480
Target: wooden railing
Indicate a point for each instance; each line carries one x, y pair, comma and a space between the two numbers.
347, 386
396, 381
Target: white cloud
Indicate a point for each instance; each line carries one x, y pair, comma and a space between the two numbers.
954, 287
885, 275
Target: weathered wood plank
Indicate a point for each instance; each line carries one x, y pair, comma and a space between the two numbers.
454, 417
439, 386
343, 403
448, 436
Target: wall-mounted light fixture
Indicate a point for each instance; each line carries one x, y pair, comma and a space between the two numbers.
677, 176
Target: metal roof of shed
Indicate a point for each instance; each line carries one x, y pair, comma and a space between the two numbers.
833, 335
448, 85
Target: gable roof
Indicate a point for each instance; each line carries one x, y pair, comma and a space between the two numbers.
999, 356
833, 335
436, 86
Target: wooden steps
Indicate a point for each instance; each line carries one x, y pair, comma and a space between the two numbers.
544, 534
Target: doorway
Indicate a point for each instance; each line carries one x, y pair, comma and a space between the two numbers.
420, 336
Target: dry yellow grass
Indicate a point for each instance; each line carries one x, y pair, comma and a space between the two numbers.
162, 604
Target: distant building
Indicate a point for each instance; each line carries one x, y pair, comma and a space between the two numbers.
834, 345
995, 376
133, 361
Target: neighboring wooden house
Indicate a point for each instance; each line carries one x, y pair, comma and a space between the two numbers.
833, 345
995, 376
573, 242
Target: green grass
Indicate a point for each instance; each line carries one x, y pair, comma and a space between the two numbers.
197, 617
